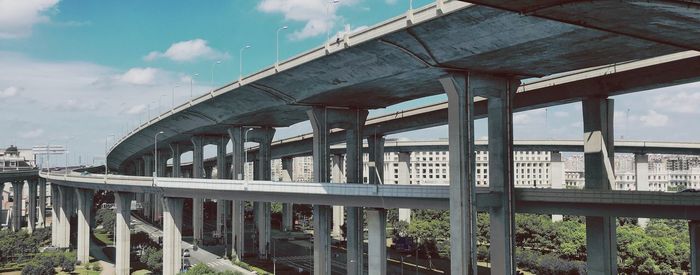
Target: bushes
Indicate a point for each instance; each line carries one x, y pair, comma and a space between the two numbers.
45, 263
548, 263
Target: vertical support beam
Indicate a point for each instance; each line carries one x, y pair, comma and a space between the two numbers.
460, 121
17, 205
404, 178
376, 223
500, 93
42, 203
237, 207
85, 197
197, 203
287, 208
123, 234
641, 175
318, 117
31, 219
338, 176
598, 147
55, 216
175, 154
694, 230
556, 177
145, 198
221, 173
355, 120
65, 213
172, 235
263, 166
162, 172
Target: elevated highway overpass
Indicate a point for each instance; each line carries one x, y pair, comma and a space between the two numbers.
479, 56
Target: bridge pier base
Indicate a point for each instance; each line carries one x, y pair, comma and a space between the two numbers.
172, 235
460, 124
376, 225
598, 147
123, 233
17, 205
85, 197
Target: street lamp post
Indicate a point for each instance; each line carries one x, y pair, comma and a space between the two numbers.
155, 154
240, 63
277, 40
106, 167
191, 80
328, 6
173, 96
212, 73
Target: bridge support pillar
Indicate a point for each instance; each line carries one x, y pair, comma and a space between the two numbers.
172, 235
641, 175
338, 176
598, 147
263, 168
123, 234
17, 205
318, 116
55, 216
404, 178
376, 225
221, 173
694, 228
353, 121
287, 208
31, 215
85, 197
66, 201
197, 203
500, 92
556, 177
236, 134
42, 203
146, 199
176, 152
460, 122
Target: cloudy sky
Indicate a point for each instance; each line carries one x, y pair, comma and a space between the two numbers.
74, 72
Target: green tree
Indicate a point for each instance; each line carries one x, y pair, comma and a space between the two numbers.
153, 258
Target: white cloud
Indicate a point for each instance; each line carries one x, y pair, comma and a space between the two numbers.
684, 102
139, 76
9, 92
136, 109
18, 16
187, 51
319, 16
32, 133
654, 119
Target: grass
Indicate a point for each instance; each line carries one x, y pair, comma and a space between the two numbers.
103, 237
141, 272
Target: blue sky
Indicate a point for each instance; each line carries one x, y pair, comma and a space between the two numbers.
72, 72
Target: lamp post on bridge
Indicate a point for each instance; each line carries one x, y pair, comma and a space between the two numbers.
213, 65
277, 40
240, 63
106, 167
155, 155
191, 80
173, 96
328, 5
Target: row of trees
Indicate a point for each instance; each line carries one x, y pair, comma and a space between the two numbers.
547, 247
19, 247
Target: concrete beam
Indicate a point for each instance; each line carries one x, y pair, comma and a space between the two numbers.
501, 176
460, 98
123, 233
85, 198
172, 235
601, 243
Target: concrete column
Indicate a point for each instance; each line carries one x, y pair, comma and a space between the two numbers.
162, 164
641, 175
601, 243
31, 219
175, 154
221, 173
85, 197
500, 94
263, 167
355, 121
123, 234
556, 177
64, 216
404, 178
338, 176
318, 117
197, 203
460, 122
55, 216
376, 225
146, 200
694, 229
237, 207
287, 208
17, 205
42, 203
172, 235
